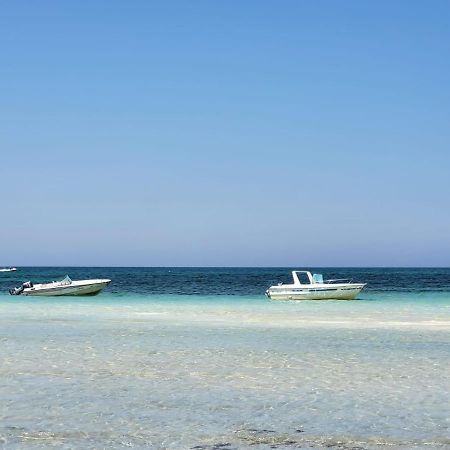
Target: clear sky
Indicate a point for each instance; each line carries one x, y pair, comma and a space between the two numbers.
225, 133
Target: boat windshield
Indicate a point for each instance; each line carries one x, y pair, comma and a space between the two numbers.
66, 281
318, 278
303, 278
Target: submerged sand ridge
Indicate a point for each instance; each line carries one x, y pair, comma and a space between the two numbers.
181, 374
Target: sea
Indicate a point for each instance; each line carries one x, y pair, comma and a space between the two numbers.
199, 358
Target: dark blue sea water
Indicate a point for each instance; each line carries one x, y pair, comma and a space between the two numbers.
230, 281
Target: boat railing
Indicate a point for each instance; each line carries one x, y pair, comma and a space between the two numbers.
338, 280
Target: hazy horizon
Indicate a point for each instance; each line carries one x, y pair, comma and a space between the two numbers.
239, 267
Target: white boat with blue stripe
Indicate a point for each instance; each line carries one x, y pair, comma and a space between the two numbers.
307, 286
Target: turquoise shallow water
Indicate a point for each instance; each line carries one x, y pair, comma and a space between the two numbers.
185, 358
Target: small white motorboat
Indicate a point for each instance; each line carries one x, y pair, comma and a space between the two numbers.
8, 269
63, 287
307, 286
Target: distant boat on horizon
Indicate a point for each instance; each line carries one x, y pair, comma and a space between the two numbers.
8, 269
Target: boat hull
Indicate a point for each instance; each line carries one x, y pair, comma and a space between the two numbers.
88, 289
345, 292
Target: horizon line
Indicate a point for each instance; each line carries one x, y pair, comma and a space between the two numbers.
235, 267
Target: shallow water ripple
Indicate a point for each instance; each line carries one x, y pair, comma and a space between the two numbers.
223, 375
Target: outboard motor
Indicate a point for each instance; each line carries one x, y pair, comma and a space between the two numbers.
16, 291
19, 290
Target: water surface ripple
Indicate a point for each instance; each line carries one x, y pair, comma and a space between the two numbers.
138, 367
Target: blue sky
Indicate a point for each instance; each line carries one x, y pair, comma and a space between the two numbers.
208, 133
